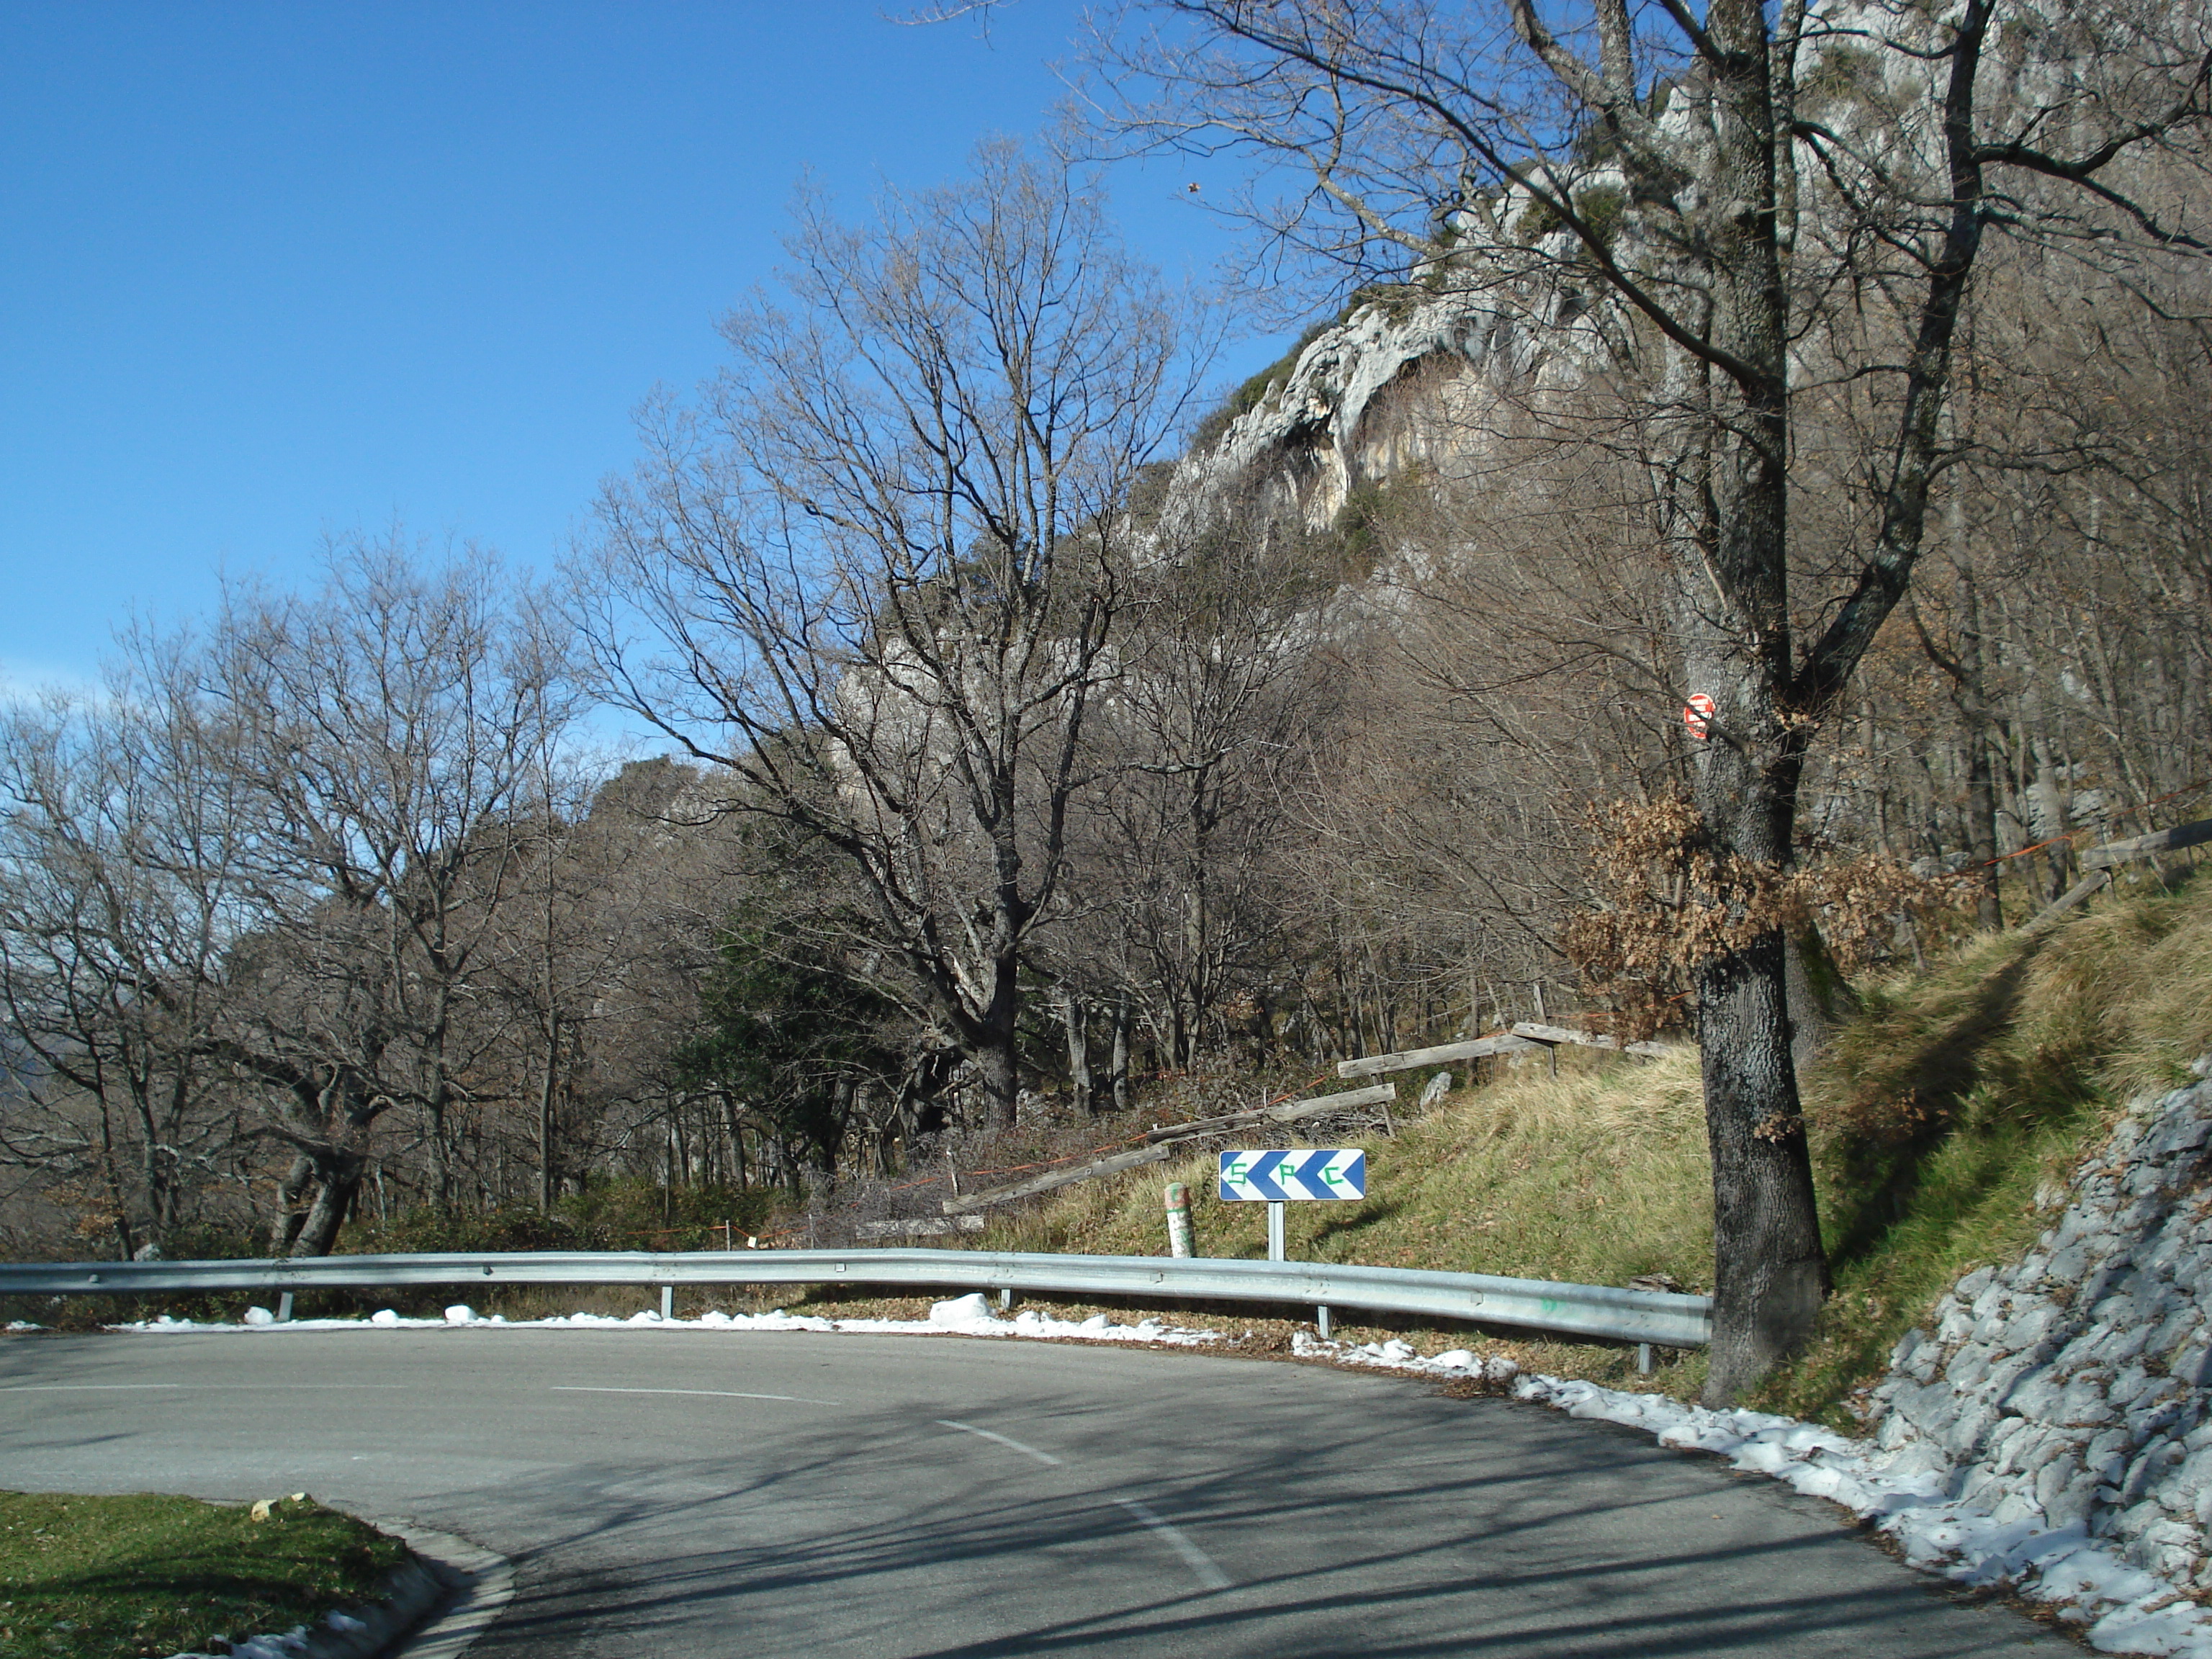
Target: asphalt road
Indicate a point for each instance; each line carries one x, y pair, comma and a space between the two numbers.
683, 1494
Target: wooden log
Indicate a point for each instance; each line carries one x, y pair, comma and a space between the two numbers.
1442, 1055
1536, 1033
2073, 895
1205, 1126
1289, 1112
927, 1227
2142, 846
1052, 1178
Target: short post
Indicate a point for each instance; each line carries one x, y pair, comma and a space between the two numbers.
1321, 1320
1005, 1297
1178, 1219
284, 1308
668, 1301
1275, 1230
1644, 1360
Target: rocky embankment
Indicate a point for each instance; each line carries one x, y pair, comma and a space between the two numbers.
2070, 1389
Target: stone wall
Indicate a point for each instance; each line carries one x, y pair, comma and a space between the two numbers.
2071, 1388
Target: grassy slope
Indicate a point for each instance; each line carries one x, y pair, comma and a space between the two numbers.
1953, 1099
121, 1578
1596, 1176
1937, 1114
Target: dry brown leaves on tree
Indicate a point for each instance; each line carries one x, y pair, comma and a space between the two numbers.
1667, 900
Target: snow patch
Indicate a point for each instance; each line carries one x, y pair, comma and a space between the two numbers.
960, 1315
2126, 1609
260, 1647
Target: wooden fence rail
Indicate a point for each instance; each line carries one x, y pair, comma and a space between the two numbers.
1163, 1142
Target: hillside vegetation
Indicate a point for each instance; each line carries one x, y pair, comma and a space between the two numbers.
1939, 1112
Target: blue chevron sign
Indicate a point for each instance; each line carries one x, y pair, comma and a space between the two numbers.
1319, 1172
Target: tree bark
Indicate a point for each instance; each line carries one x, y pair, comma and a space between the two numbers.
547, 1177
337, 1180
1119, 1066
291, 1193
999, 1075
1770, 1273
1077, 1018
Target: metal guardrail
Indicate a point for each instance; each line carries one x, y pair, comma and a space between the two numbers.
1659, 1317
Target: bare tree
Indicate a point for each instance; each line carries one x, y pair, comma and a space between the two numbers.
1714, 215
121, 887
877, 571
389, 735
1182, 860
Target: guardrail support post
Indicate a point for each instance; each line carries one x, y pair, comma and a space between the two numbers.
1321, 1320
284, 1308
668, 1301
1644, 1360
1275, 1230
1005, 1297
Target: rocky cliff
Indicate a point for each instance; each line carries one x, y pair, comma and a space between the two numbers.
1408, 378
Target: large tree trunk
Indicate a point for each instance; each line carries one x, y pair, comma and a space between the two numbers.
548, 1179
1118, 1067
441, 1161
1816, 994
1732, 598
1000, 1077
1077, 1018
338, 1181
1982, 831
1771, 1274
291, 1197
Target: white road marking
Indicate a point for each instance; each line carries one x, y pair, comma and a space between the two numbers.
1202, 1565
1045, 1458
216, 1387
703, 1393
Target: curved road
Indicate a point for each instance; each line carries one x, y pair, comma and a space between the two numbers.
680, 1494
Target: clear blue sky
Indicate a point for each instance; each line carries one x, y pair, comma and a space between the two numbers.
272, 270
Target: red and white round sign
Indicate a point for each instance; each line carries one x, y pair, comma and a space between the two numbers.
1698, 713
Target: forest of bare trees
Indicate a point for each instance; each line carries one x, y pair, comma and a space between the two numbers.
1854, 373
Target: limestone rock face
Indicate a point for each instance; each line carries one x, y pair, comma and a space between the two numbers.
1413, 379
2076, 1386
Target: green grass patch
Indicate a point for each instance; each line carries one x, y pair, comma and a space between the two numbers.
148, 1575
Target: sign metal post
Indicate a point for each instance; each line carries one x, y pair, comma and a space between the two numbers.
1281, 1177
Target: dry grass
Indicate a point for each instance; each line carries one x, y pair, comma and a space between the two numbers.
1582, 1178
1596, 1176
1953, 1096
1938, 1112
